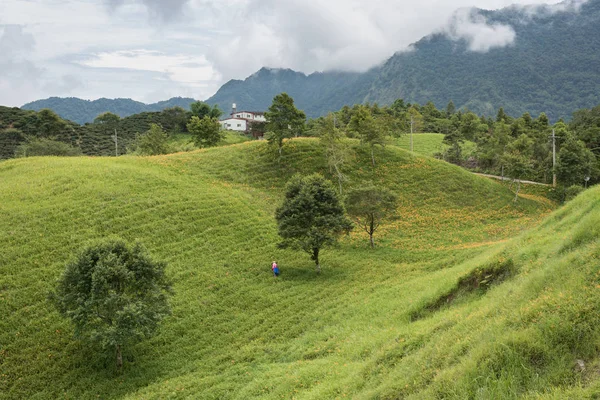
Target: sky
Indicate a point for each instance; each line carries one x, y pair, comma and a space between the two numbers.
152, 50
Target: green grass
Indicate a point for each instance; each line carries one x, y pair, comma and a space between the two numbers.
428, 144
181, 142
236, 333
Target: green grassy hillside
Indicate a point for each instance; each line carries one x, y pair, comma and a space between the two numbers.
447, 305
428, 144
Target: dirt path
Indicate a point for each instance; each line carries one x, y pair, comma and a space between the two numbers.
508, 179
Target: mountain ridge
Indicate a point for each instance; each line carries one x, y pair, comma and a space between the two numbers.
552, 66
84, 111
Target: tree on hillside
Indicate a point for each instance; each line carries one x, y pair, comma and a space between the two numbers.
114, 294
337, 151
413, 120
586, 124
174, 119
43, 124
206, 132
517, 160
311, 216
450, 109
363, 125
492, 144
50, 124
153, 141
454, 139
107, 118
369, 206
575, 162
501, 116
200, 109
284, 120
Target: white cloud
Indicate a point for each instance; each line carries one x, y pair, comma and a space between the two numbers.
189, 70
146, 48
164, 10
480, 35
18, 74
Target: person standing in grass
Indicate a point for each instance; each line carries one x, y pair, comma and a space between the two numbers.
275, 269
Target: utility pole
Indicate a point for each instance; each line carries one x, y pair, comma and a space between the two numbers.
553, 158
411, 132
116, 139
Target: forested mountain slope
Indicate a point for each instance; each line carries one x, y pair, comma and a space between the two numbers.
82, 111
553, 66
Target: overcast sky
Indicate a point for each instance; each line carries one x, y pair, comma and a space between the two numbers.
151, 50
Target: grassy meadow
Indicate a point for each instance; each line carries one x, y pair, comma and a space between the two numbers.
428, 144
466, 295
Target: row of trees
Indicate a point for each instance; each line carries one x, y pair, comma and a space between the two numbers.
26, 133
201, 121
519, 148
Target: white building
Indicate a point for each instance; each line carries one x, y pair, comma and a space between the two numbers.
240, 121
234, 124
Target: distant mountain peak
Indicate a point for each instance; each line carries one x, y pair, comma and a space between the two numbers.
547, 61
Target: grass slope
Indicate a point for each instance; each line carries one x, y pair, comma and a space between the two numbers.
429, 144
371, 326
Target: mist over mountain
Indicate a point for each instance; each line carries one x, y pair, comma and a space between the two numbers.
526, 59
82, 111
530, 59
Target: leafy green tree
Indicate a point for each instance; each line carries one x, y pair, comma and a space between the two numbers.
503, 117
284, 120
517, 160
369, 206
50, 124
454, 139
153, 142
398, 108
43, 124
206, 132
311, 216
542, 122
586, 125
108, 119
114, 294
366, 128
38, 147
414, 120
471, 126
491, 146
450, 109
174, 119
337, 151
200, 109
575, 162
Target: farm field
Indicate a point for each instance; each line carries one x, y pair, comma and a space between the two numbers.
466, 295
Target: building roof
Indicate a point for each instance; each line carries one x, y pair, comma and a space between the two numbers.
233, 119
249, 112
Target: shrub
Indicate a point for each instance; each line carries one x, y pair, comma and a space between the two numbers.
46, 147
